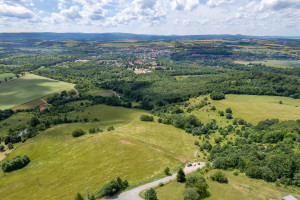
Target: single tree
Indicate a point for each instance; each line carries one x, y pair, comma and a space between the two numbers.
79, 197
190, 194
150, 194
180, 176
167, 171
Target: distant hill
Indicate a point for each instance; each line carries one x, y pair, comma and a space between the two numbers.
4, 37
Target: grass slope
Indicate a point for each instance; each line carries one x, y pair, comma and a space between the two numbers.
7, 76
239, 187
252, 108
61, 165
14, 121
28, 88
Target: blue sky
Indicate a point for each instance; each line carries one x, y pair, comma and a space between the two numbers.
166, 17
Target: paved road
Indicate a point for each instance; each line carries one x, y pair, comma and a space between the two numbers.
134, 193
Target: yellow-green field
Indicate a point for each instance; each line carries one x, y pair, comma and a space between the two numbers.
28, 88
251, 108
274, 63
6, 76
239, 187
62, 165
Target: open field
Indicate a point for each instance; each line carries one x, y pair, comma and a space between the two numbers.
239, 187
274, 63
62, 165
7, 76
14, 121
28, 88
252, 108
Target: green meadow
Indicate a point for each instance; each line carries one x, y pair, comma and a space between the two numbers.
238, 187
6, 76
28, 88
251, 108
274, 63
62, 165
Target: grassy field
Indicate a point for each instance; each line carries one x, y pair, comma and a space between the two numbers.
251, 108
274, 63
7, 76
239, 187
28, 88
13, 121
62, 165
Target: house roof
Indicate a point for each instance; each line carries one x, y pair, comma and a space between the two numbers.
289, 197
42, 108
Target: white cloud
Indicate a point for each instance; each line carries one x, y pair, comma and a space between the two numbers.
15, 12
217, 3
184, 4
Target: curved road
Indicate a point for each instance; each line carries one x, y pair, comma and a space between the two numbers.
134, 193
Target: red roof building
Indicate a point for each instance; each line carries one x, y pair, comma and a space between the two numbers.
42, 108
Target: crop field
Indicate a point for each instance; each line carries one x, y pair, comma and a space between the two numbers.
28, 88
274, 63
251, 108
62, 165
29, 105
239, 187
7, 76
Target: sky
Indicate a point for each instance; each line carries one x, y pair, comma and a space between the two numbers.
160, 17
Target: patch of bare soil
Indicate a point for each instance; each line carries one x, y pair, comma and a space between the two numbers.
125, 142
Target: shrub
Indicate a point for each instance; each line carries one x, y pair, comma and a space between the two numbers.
197, 182
112, 188
221, 113
219, 177
229, 116
190, 194
167, 171
147, 118
217, 95
180, 176
15, 164
78, 133
111, 128
79, 197
161, 184
10, 145
1, 147
228, 110
150, 194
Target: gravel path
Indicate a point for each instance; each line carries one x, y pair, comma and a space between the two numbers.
134, 193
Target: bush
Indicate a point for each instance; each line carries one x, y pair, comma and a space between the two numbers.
180, 176
217, 95
1, 147
221, 113
78, 133
78, 197
150, 194
213, 108
197, 182
219, 177
228, 110
10, 145
147, 118
229, 116
111, 128
190, 194
167, 171
15, 164
112, 188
